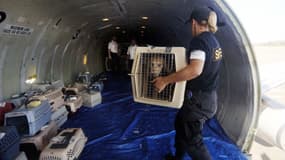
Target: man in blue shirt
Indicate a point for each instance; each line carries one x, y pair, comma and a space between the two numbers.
201, 74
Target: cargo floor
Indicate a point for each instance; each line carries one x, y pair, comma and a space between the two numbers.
120, 129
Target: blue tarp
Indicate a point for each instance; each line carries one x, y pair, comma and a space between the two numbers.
120, 129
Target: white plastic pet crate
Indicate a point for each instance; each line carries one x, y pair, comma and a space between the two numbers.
80, 86
84, 78
29, 121
72, 90
73, 103
41, 86
48, 85
67, 145
54, 96
152, 62
60, 116
18, 100
41, 139
91, 99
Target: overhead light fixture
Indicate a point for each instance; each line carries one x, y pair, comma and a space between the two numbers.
118, 27
145, 18
143, 27
105, 19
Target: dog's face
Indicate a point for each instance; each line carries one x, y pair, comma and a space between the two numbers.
156, 66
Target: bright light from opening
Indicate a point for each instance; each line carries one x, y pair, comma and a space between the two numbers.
105, 19
143, 27
31, 79
145, 18
85, 59
117, 27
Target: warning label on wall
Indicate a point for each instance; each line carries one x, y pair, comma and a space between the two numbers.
17, 30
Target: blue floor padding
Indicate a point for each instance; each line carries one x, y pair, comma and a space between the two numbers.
120, 129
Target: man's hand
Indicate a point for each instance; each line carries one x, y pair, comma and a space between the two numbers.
160, 83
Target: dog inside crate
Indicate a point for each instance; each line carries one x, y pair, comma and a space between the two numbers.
153, 65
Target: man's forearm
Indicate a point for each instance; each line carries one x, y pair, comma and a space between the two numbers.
191, 71
185, 74
109, 53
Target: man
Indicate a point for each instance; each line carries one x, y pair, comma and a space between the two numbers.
131, 53
201, 74
113, 54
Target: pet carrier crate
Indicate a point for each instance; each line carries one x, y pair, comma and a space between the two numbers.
41, 86
91, 99
71, 91
9, 143
84, 78
96, 87
67, 145
29, 120
73, 103
18, 99
22, 156
54, 96
80, 86
60, 116
57, 84
34, 144
41, 139
5, 107
152, 62
48, 85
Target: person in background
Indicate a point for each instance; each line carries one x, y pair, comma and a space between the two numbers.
131, 53
113, 54
201, 74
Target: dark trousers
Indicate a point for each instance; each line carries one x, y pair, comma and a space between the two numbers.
189, 125
115, 62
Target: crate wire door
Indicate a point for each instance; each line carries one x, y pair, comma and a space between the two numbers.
150, 63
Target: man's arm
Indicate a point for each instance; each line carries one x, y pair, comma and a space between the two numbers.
191, 71
109, 51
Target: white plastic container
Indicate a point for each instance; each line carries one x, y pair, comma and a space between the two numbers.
67, 145
73, 103
29, 121
41, 139
54, 96
152, 62
60, 116
91, 99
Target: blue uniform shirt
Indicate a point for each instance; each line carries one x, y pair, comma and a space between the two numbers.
208, 79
